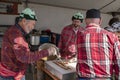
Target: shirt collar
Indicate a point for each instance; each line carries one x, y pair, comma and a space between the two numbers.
92, 25
21, 29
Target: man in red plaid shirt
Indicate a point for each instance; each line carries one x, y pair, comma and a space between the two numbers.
98, 50
15, 52
67, 43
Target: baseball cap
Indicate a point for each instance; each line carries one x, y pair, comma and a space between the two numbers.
93, 13
78, 16
28, 14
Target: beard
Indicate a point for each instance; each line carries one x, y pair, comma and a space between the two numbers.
28, 29
75, 25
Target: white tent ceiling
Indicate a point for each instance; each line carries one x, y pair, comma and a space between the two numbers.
103, 5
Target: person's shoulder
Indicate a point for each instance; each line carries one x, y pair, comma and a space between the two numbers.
67, 27
103, 30
112, 36
108, 33
12, 30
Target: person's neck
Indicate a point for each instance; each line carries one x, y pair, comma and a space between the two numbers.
22, 28
94, 24
21, 25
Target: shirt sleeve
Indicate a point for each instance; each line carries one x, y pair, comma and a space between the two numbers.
116, 59
60, 44
22, 51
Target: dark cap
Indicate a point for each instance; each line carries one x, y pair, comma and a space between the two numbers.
93, 13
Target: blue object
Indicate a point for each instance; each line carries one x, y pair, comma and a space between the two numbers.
44, 39
57, 39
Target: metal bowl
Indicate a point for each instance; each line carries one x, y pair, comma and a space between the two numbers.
46, 46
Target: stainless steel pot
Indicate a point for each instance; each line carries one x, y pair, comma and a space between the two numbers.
34, 39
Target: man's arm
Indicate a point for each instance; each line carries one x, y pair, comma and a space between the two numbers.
23, 53
116, 59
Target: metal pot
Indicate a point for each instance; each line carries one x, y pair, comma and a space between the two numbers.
34, 39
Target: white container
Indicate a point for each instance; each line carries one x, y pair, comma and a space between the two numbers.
59, 72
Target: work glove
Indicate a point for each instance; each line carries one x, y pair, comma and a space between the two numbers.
52, 51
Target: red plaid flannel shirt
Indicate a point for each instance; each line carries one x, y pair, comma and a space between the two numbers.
15, 54
98, 53
67, 41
